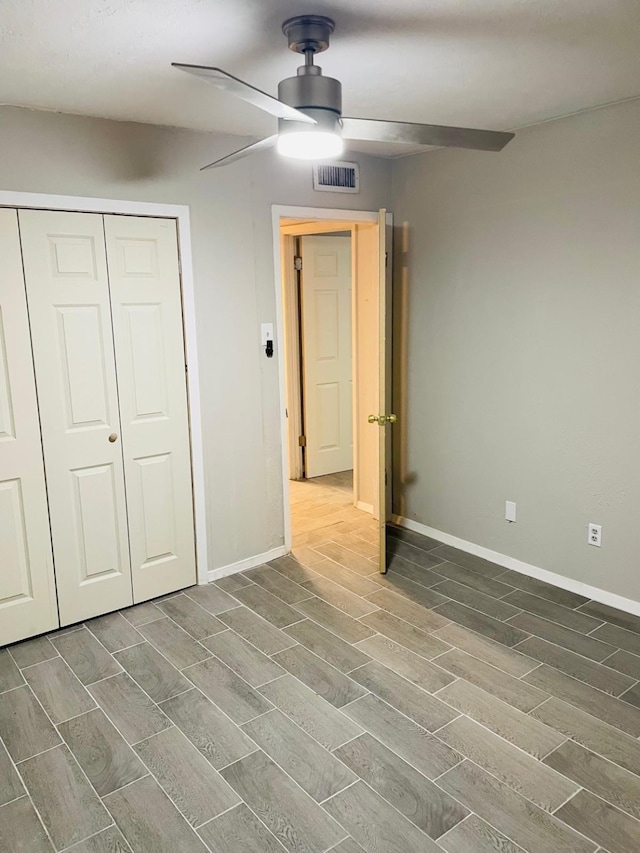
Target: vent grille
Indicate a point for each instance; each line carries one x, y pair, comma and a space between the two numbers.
336, 177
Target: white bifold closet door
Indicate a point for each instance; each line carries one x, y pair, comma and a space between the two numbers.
103, 367
68, 294
146, 304
27, 589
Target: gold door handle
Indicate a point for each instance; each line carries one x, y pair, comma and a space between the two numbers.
382, 419
113, 437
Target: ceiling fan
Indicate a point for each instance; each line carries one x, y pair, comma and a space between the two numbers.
309, 107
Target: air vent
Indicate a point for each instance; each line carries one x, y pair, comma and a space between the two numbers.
336, 177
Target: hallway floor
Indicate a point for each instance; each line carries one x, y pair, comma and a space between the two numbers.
313, 705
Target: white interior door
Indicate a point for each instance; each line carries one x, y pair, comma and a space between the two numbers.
27, 588
327, 360
68, 297
144, 277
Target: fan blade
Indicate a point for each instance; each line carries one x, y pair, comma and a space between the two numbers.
243, 152
231, 84
375, 130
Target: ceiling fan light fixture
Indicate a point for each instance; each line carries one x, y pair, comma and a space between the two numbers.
310, 145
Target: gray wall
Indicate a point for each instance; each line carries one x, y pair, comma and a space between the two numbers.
234, 287
522, 284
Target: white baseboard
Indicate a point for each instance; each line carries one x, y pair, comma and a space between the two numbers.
249, 563
592, 592
364, 507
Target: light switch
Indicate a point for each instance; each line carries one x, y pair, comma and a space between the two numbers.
510, 510
266, 333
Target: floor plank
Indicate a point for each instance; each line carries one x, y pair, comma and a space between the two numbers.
212, 598
328, 646
173, 642
494, 629
24, 726
596, 774
407, 739
334, 620
189, 615
603, 823
311, 712
21, 830
58, 690
339, 597
576, 666
114, 632
477, 600
475, 836
66, 802
511, 690
605, 613
601, 705
277, 584
314, 768
150, 822
246, 660
412, 701
293, 817
403, 608
152, 672
488, 586
196, 789
573, 619
33, 651
376, 825
411, 793
520, 729
101, 751
269, 606
407, 635
227, 690
591, 733
10, 785
414, 668
239, 830
542, 589
495, 654
573, 641
131, 711
523, 822
325, 680
86, 656
213, 734
510, 765
467, 561
10, 675
257, 630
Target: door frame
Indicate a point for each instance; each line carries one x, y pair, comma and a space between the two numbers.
179, 213
279, 212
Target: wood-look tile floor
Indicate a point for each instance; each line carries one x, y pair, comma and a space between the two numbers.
313, 705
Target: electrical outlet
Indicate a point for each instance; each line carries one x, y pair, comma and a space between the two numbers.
510, 510
594, 536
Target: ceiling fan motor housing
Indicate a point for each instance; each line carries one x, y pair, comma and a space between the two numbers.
318, 96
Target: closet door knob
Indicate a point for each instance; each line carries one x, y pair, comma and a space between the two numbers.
113, 437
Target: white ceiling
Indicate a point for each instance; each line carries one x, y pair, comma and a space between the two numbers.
498, 64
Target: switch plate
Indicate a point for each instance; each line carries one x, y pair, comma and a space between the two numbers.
510, 510
266, 333
594, 536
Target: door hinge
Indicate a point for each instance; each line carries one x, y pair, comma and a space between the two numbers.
302, 440
386, 259
385, 478
297, 263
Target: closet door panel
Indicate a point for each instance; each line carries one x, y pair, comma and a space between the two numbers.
147, 324
68, 296
27, 589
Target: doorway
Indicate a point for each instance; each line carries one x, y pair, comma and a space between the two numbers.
331, 285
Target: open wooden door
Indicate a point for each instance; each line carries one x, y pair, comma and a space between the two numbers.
384, 418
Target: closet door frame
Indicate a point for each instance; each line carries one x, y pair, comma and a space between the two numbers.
180, 213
